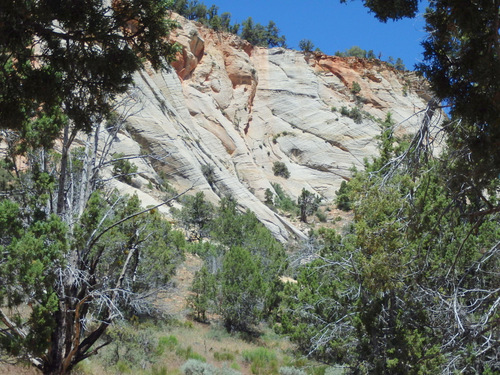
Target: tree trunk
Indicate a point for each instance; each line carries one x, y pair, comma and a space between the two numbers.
62, 175
55, 356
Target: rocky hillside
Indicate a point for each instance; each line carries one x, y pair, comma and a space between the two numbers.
238, 109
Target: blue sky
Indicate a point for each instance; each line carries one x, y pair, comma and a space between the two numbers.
332, 26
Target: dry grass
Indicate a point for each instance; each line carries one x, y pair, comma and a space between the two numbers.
209, 342
18, 370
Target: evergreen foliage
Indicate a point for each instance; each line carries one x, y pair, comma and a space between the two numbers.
355, 88
280, 169
76, 258
410, 287
260, 35
306, 45
123, 169
343, 197
123, 262
462, 63
269, 197
242, 265
208, 172
360, 53
355, 51
410, 261
204, 292
399, 65
308, 204
242, 289
353, 113
283, 201
255, 33
40, 98
392, 9
196, 215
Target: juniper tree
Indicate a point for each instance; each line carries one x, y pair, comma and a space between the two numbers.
461, 60
77, 257
308, 204
411, 287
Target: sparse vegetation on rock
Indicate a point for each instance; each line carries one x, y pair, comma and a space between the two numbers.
280, 169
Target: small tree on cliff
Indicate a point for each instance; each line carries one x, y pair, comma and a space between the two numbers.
308, 204
306, 45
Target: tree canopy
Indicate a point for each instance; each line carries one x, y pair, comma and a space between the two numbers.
255, 33
65, 61
462, 63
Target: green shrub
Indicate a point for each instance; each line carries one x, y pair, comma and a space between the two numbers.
259, 354
355, 88
203, 291
269, 197
262, 361
280, 169
354, 113
242, 290
196, 215
343, 197
188, 353
291, 371
308, 204
283, 201
123, 169
224, 356
203, 249
344, 111
321, 216
306, 45
196, 367
166, 343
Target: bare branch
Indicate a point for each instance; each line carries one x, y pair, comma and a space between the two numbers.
93, 242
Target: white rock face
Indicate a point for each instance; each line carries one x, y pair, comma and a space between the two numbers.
240, 108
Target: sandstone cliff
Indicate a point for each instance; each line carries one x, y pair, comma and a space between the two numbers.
239, 108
